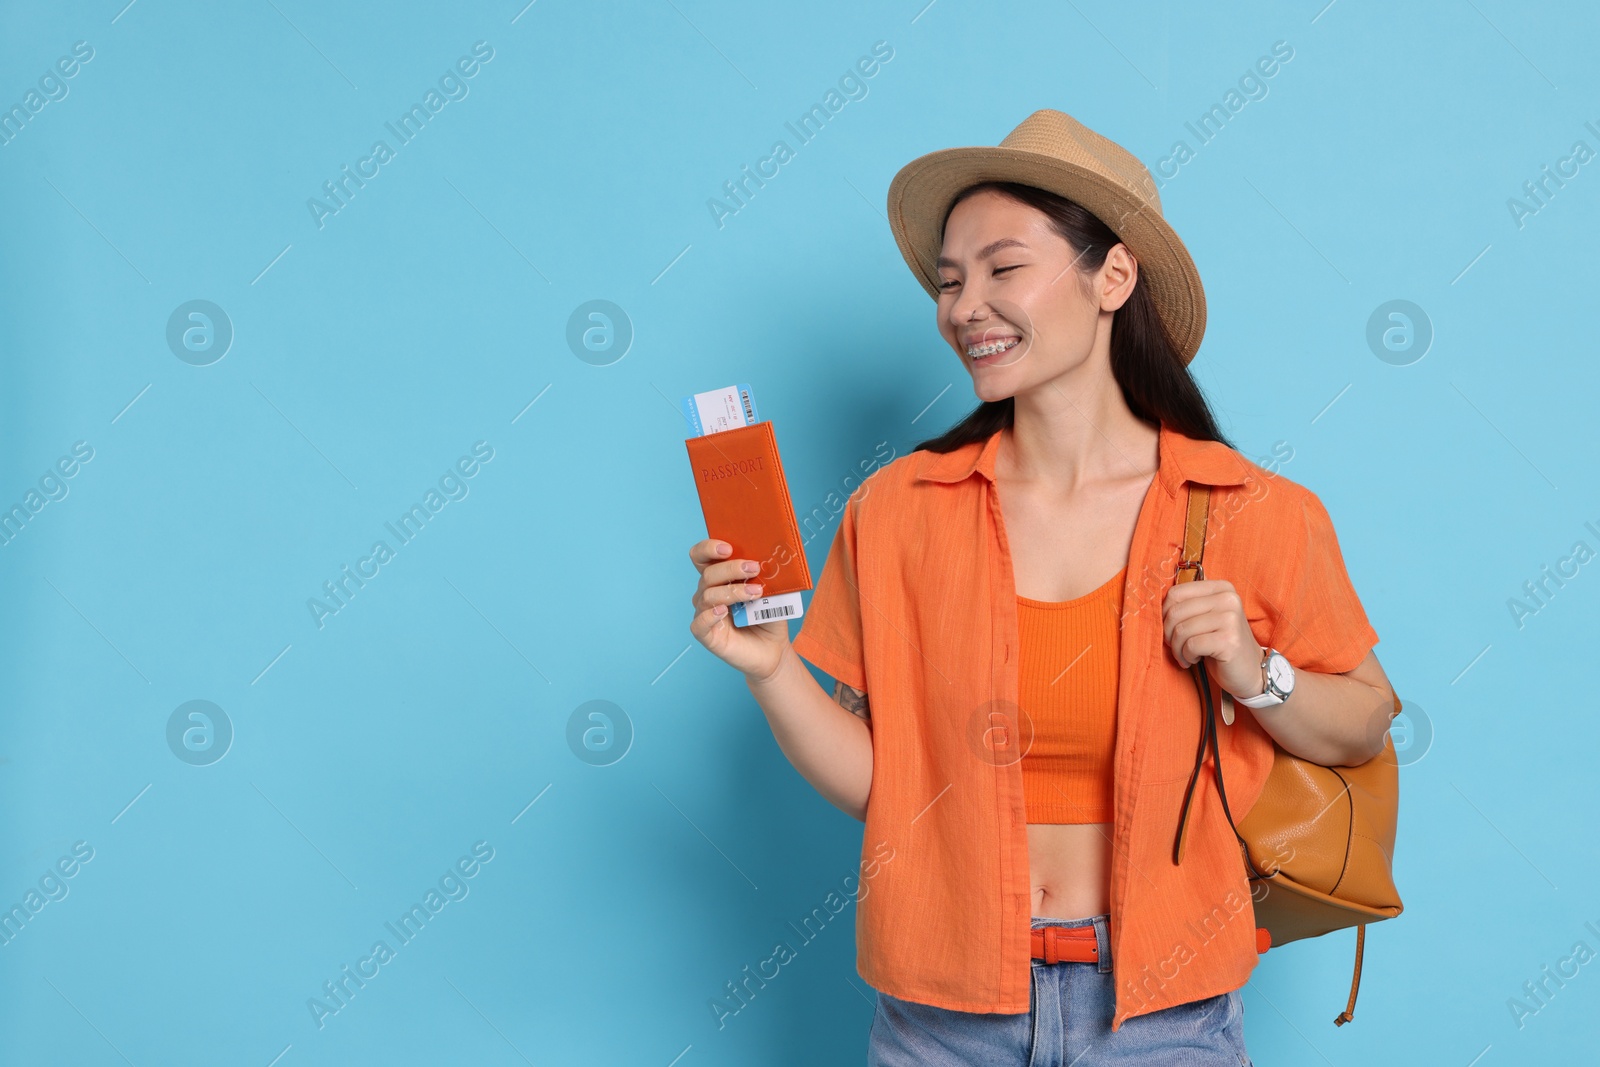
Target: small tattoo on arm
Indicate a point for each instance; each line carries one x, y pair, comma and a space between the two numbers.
853, 700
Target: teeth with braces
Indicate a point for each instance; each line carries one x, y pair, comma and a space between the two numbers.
991, 348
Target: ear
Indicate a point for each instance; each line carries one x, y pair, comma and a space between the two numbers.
1117, 277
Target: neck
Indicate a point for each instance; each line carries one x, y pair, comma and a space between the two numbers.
1066, 434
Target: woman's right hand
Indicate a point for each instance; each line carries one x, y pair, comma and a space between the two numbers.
757, 649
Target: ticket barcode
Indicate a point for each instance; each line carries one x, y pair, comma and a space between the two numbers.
720, 409
767, 609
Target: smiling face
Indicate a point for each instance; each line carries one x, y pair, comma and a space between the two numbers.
1013, 301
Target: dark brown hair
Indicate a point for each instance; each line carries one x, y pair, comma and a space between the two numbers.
1154, 380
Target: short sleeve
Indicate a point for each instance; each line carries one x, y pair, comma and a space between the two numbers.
1315, 617
830, 630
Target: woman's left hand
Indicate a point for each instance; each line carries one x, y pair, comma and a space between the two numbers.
1206, 619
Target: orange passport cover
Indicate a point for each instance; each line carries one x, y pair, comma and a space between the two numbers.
746, 503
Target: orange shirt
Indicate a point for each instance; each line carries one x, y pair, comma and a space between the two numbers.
1067, 692
917, 605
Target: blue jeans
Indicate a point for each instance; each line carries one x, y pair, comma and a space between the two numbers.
1068, 1024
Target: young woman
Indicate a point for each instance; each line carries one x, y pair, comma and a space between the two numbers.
1013, 716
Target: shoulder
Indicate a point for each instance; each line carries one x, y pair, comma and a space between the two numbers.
1249, 496
1269, 508
1236, 474
887, 489
912, 490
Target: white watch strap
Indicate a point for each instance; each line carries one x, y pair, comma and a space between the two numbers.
1265, 699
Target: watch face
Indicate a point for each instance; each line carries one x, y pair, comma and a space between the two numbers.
1280, 673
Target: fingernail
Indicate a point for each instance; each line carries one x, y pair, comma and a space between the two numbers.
719, 609
754, 588
723, 549
750, 566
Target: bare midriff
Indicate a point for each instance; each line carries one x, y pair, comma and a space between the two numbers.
1071, 869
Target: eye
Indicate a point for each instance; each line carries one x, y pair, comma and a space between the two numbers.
998, 270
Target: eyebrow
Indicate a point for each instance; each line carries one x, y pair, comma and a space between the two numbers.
985, 252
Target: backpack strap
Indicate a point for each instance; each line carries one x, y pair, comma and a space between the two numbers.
1194, 534
1190, 570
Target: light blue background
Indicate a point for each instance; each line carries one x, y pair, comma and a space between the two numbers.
370, 353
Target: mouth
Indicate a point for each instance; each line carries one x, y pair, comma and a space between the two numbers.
990, 351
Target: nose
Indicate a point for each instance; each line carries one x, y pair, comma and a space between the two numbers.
970, 305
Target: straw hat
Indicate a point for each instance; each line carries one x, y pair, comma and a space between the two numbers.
1056, 152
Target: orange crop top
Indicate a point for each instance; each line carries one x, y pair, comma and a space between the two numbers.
1067, 667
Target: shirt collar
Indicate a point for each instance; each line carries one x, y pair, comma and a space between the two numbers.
1180, 459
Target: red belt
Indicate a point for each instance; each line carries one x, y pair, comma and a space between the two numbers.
1078, 944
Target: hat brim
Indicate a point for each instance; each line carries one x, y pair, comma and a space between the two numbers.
921, 193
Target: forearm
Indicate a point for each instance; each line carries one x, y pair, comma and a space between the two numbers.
1329, 719
830, 747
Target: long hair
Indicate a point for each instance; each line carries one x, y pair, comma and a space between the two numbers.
1155, 382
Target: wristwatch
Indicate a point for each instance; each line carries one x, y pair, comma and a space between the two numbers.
1277, 678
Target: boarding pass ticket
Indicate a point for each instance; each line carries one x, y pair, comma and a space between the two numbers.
728, 409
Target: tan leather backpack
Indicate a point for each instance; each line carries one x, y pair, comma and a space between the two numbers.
1319, 841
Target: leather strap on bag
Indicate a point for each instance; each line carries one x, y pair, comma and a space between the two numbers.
1190, 569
